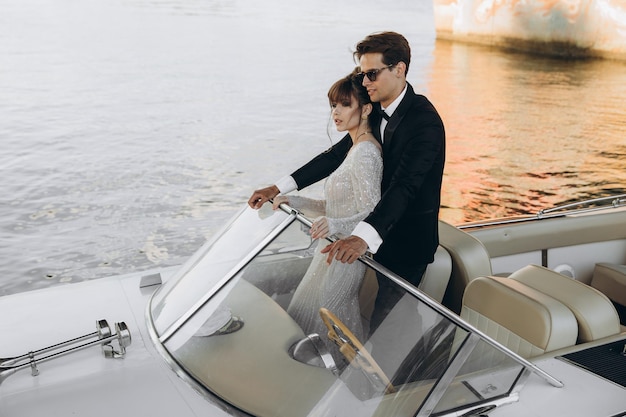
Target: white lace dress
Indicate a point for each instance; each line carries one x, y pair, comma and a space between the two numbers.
351, 192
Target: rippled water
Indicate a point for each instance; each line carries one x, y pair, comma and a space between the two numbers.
131, 130
526, 133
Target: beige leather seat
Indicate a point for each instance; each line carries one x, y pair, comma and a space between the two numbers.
521, 318
433, 283
437, 275
470, 260
594, 312
610, 279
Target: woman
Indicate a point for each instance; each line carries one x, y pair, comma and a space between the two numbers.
350, 192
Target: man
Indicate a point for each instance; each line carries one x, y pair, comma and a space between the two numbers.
402, 230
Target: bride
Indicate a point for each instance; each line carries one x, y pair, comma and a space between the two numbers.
351, 192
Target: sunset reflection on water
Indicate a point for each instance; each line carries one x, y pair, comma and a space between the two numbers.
526, 132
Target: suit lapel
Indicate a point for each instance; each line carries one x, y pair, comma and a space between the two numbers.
376, 120
398, 115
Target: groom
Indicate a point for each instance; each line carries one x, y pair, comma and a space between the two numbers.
402, 230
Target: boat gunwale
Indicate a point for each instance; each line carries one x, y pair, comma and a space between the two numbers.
617, 202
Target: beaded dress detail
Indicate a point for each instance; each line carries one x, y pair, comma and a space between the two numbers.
350, 192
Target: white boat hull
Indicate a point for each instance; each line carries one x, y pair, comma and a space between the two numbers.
85, 383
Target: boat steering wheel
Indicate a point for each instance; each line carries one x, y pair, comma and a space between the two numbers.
353, 350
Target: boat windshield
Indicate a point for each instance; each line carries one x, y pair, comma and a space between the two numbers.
226, 321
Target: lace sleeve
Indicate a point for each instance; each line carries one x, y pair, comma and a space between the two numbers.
366, 177
308, 206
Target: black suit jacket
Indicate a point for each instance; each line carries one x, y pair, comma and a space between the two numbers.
413, 155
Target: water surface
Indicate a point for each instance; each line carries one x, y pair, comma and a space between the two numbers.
131, 130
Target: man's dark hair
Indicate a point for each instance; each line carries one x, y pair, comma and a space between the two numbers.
394, 47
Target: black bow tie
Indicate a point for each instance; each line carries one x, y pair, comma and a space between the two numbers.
382, 113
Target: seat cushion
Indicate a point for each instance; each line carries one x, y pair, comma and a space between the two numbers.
594, 312
434, 282
523, 319
437, 275
610, 279
470, 259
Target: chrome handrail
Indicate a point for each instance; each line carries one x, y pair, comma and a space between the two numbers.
615, 201
368, 260
557, 211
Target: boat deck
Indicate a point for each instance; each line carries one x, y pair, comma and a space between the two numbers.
607, 361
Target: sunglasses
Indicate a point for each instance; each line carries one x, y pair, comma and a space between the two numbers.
373, 74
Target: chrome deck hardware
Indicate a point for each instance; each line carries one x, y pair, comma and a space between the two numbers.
102, 336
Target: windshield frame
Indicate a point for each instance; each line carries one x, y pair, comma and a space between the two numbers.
472, 338
165, 335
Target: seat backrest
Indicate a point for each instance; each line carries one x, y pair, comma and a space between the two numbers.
610, 279
470, 259
433, 283
367, 294
594, 312
437, 275
521, 318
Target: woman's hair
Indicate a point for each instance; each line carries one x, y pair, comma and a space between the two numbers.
344, 89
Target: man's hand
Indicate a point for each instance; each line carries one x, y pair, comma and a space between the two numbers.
345, 250
262, 196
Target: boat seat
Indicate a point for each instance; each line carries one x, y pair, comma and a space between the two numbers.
610, 279
523, 319
437, 275
470, 260
433, 283
594, 312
